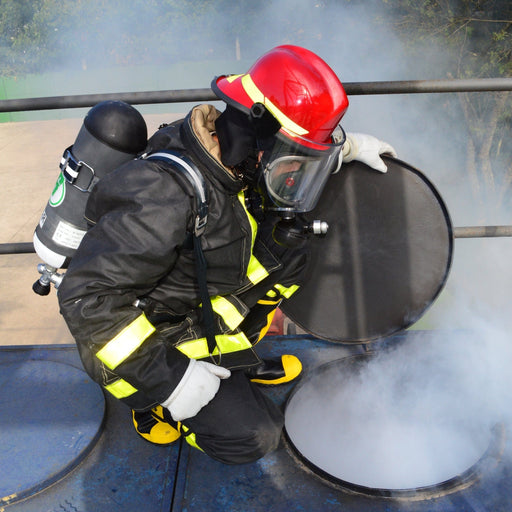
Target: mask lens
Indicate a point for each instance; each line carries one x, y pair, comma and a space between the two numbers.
288, 178
295, 174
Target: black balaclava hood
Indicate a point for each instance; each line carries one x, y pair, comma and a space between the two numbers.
241, 135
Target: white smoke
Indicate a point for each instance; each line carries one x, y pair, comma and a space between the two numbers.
421, 411
415, 415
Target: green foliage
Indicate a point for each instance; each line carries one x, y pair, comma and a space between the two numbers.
476, 35
41, 35
46, 35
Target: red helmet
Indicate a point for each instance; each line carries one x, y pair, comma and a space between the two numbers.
308, 101
297, 87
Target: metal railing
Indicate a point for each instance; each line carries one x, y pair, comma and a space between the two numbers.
195, 95
188, 95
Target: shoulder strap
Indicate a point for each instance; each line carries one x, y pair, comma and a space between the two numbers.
184, 165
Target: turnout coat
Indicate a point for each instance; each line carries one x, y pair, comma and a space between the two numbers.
130, 295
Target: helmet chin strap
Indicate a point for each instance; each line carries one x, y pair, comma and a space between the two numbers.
248, 170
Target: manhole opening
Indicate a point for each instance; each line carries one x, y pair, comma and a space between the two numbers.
337, 429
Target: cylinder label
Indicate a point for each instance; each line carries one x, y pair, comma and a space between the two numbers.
67, 235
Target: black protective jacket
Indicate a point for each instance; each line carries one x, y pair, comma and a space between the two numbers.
138, 253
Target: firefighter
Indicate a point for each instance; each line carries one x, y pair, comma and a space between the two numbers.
134, 293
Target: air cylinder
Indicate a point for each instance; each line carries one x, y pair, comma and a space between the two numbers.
113, 132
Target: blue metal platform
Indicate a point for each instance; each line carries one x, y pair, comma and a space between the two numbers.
66, 447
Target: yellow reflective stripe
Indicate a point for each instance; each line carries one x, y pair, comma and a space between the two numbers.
271, 293
194, 349
258, 97
190, 437
227, 311
269, 302
287, 292
125, 342
120, 388
256, 272
197, 349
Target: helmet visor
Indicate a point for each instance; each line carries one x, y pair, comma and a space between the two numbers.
295, 174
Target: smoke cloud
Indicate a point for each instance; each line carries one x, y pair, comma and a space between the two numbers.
414, 415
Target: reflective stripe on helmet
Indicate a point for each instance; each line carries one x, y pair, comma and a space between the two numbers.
258, 97
227, 343
120, 388
232, 78
256, 272
126, 342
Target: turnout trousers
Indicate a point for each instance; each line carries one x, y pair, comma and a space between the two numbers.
239, 425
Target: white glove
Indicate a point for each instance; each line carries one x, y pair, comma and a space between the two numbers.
366, 149
196, 388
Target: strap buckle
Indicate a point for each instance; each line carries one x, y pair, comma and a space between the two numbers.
201, 219
71, 169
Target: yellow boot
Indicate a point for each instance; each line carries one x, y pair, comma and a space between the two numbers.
276, 371
156, 426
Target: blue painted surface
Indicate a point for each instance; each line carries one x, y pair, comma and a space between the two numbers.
124, 473
47, 428
121, 473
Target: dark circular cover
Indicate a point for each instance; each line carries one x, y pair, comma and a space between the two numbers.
384, 260
51, 417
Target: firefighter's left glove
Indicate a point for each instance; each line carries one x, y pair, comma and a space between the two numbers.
367, 149
196, 388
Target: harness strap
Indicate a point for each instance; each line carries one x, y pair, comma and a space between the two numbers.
195, 178
208, 319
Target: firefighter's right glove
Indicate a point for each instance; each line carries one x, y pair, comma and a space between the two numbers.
196, 388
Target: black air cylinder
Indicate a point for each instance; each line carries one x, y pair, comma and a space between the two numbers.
113, 133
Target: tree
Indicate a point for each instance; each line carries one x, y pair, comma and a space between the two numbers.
477, 38
15, 22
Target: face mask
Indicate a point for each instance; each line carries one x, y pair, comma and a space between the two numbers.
296, 170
